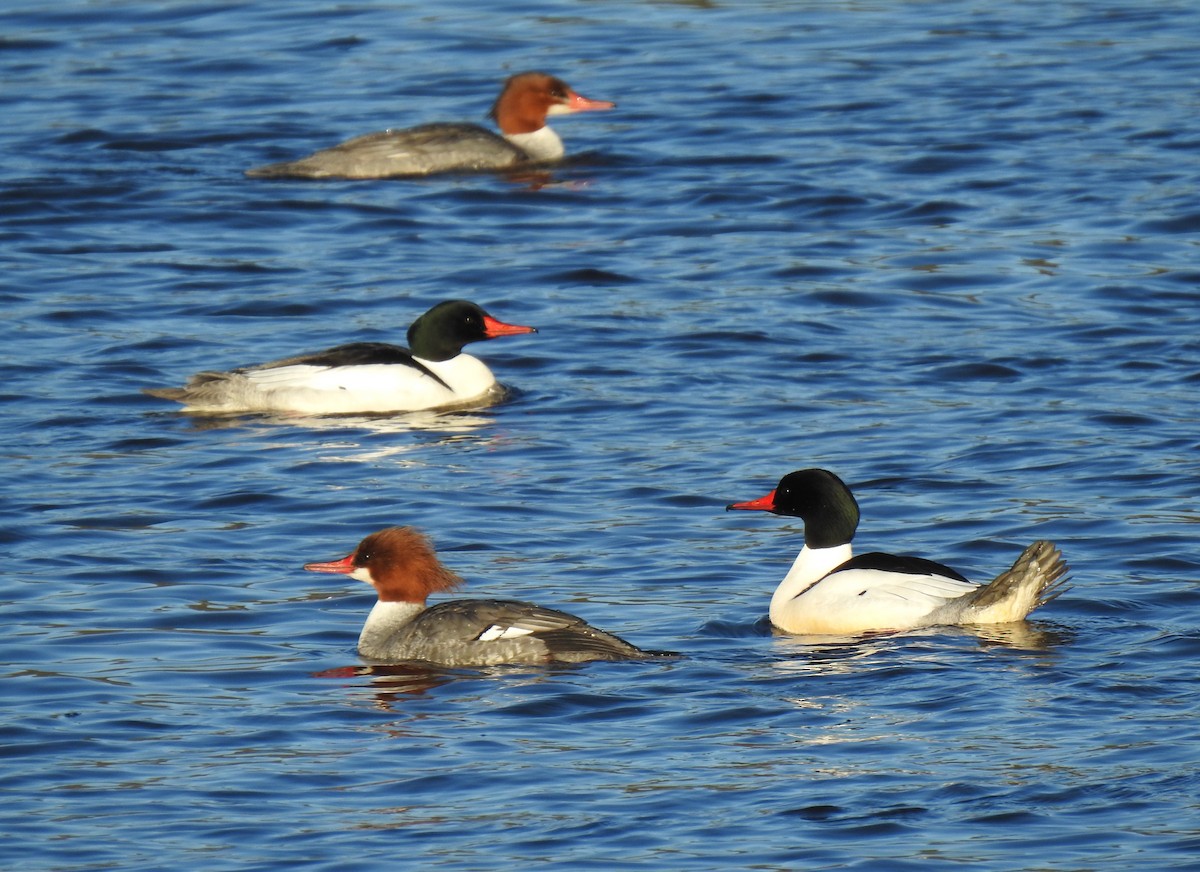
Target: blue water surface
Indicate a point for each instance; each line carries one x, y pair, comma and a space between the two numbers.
947, 249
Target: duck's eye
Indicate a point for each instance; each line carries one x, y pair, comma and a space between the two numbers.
362, 558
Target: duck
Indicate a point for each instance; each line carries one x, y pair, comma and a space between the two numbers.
364, 377
831, 591
402, 566
525, 139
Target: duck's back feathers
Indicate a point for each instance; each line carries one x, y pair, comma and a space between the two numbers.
490, 631
901, 563
428, 148
350, 354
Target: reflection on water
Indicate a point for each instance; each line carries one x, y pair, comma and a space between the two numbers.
1021, 635
392, 682
394, 685
833, 654
444, 420
434, 427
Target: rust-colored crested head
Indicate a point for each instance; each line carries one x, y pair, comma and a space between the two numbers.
403, 566
527, 98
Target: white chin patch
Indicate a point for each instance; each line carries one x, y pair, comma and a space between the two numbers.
496, 631
361, 573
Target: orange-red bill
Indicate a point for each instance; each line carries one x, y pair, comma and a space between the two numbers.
342, 567
493, 328
762, 504
580, 103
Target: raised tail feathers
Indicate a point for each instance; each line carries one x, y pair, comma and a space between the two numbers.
1038, 576
582, 643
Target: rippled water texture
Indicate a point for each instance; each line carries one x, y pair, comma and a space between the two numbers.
946, 249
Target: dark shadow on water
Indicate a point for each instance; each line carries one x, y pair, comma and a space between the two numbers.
737, 629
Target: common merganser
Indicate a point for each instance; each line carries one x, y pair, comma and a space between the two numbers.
400, 564
363, 377
520, 112
829, 591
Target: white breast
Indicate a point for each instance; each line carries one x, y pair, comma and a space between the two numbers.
542, 144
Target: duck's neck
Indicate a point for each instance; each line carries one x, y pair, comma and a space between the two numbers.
811, 565
541, 145
385, 620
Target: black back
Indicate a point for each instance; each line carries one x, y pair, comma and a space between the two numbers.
900, 563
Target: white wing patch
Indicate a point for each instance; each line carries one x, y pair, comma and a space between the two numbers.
502, 631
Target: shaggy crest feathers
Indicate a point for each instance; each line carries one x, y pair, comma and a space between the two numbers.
403, 565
